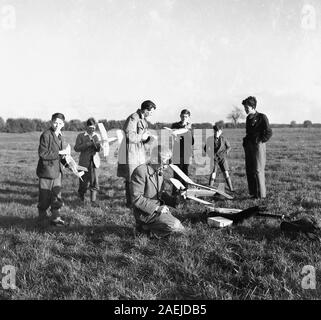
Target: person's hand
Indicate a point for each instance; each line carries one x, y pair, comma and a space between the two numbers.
145, 135
181, 196
162, 209
65, 151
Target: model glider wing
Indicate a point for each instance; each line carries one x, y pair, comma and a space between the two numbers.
104, 137
176, 132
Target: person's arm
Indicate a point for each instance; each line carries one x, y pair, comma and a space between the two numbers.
131, 131
227, 146
138, 180
82, 145
266, 131
169, 200
96, 143
45, 153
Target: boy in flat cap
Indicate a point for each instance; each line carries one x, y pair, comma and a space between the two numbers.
217, 147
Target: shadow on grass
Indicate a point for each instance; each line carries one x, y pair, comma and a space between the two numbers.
10, 191
264, 232
96, 232
20, 184
25, 202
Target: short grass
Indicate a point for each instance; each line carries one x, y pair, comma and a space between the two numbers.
99, 257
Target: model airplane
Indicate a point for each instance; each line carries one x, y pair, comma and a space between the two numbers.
239, 215
200, 190
105, 139
71, 164
193, 194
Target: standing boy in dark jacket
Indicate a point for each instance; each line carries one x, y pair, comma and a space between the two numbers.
88, 144
49, 171
183, 144
258, 132
217, 147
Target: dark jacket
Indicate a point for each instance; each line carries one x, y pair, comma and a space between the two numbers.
257, 128
147, 192
49, 165
88, 149
183, 145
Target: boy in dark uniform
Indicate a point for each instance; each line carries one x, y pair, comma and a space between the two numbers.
88, 144
183, 144
49, 171
258, 132
217, 147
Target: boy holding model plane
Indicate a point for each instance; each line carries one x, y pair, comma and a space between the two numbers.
88, 144
217, 148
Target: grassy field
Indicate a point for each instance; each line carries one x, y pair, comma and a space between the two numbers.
99, 257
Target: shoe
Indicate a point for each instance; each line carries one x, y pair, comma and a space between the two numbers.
58, 222
43, 222
81, 196
128, 205
139, 229
94, 204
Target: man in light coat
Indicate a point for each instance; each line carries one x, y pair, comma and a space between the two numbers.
132, 151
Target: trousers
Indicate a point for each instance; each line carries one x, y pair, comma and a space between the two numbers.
255, 159
49, 196
90, 180
160, 224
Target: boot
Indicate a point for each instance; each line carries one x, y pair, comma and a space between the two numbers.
128, 195
42, 219
229, 183
93, 198
212, 180
81, 197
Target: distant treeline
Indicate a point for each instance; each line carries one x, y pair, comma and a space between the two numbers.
20, 125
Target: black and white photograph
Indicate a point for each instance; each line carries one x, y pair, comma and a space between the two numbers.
160, 155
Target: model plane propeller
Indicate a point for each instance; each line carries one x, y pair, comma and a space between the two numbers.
194, 193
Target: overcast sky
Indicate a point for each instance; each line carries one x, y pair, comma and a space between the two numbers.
102, 58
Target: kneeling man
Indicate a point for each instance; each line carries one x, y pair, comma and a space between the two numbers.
150, 202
